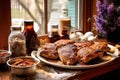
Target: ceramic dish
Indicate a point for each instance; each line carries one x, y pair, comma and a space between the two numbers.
109, 57
23, 65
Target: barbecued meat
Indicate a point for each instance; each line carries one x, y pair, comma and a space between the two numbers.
68, 54
49, 50
63, 42
101, 46
87, 53
83, 44
95, 50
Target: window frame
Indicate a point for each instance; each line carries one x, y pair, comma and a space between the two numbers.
86, 14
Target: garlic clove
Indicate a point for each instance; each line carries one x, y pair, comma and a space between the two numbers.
89, 34
90, 38
74, 37
79, 34
83, 38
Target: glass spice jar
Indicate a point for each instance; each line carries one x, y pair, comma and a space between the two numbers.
16, 42
32, 42
54, 34
65, 20
65, 34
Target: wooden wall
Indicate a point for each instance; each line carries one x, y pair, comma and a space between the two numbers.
5, 22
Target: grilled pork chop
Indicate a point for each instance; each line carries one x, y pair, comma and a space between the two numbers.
68, 54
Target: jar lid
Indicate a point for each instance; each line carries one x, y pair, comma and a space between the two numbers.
28, 22
15, 28
54, 26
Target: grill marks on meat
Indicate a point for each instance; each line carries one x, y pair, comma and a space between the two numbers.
102, 46
49, 50
94, 51
87, 53
83, 44
68, 54
63, 42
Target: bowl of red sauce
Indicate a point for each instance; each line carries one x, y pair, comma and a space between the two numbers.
4, 56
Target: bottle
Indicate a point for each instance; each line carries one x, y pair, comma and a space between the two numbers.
16, 42
54, 34
65, 34
32, 42
65, 21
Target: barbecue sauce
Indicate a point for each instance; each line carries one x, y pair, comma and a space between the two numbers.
31, 37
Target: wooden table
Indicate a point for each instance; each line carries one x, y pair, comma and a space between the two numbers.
42, 73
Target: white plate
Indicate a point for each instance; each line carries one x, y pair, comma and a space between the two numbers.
58, 63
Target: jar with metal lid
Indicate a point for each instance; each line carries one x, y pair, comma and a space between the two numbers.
16, 42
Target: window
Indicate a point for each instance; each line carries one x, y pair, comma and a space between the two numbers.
35, 10
29, 10
74, 11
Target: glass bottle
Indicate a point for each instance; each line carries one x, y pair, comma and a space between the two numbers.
65, 20
16, 42
31, 36
65, 34
54, 34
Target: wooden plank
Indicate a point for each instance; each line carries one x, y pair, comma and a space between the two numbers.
5, 22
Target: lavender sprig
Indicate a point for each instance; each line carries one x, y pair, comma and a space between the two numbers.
108, 18
110, 10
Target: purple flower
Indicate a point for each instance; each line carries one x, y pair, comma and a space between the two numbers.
100, 24
102, 8
108, 18
106, 3
98, 5
110, 10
